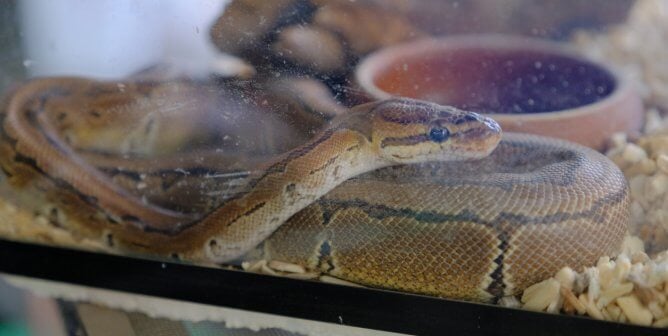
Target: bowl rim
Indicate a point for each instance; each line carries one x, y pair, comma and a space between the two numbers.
367, 69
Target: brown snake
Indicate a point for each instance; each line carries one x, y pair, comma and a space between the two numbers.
397, 211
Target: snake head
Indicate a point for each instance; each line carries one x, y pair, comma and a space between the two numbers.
410, 131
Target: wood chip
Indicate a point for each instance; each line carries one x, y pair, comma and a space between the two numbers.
633, 153
662, 323
634, 310
572, 300
590, 307
509, 302
302, 276
655, 308
286, 267
253, 266
337, 281
613, 292
265, 269
662, 163
539, 296
613, 311
566, 277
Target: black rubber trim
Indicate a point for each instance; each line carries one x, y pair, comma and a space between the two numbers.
360, 307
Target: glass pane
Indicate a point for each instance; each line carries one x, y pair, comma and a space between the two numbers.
511, 152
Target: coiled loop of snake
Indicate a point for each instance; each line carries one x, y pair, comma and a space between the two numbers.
474, 230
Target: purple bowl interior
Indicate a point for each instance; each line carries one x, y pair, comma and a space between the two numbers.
502, 80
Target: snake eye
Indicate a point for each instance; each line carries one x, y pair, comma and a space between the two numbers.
438, 134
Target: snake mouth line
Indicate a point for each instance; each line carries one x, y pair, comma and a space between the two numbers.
401, 157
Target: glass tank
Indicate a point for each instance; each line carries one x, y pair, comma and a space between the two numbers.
334, 167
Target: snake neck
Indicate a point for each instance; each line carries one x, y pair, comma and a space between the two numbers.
286, 187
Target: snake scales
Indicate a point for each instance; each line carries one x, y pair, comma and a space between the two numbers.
400, 210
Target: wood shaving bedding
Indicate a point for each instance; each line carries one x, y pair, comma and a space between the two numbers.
630, 288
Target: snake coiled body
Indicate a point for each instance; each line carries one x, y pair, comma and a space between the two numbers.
406, 213
474, 230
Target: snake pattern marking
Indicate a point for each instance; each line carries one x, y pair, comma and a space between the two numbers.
399, 194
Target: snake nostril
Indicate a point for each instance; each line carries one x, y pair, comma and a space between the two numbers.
492, 125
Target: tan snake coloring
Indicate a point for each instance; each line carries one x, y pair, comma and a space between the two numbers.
400, 194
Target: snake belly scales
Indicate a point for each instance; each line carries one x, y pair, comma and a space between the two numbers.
397, 194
